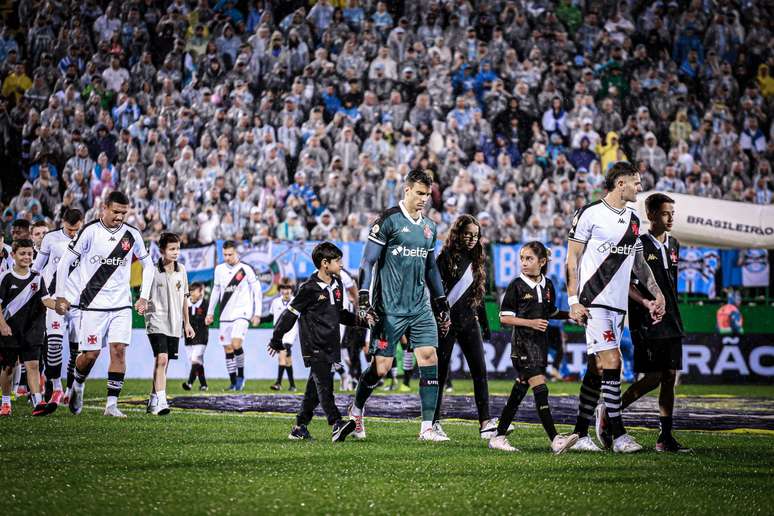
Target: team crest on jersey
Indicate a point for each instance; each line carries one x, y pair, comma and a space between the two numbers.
55, 325
337, 294
652, 257
428, 231
548, 296
239, 275
125, 245
34, 287
673, 256
91, 339
608, 335
635, 229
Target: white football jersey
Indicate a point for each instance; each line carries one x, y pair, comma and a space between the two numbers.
104, 267
611, 238
277, 307
347, 282
52, 247
238, 292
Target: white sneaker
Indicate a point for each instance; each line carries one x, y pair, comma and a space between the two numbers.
431, 435
500, 442
439, 429
161, 408
626, 444
561, 443
151, 406
112, 411
359, 432
585, 444
490, 429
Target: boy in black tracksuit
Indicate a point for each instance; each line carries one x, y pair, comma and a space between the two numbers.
318, 306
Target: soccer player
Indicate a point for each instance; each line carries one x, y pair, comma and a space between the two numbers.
22, 321
528, 304
398, 266
602, 252
319, 309
166, 317
104, 250
284, 357
462, 263
198, 343
658, 344
238, 292
52, 247
38, 231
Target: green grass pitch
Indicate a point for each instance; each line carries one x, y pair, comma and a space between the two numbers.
194, 462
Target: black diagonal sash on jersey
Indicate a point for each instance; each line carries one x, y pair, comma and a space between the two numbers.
233, 283
104, 272
52, 283
607, 269
8, 304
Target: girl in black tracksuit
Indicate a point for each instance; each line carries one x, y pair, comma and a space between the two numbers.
462, 265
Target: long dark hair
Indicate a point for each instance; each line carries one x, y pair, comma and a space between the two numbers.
541, 252
456, 249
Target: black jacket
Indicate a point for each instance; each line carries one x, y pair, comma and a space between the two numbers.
320, 310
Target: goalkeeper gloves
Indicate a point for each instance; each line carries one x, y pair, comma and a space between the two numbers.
276, 344
442, 313
364, 307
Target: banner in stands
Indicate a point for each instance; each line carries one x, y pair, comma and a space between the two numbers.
701, 221
696, 270
507, 266
706, 358
199, 263
273, 261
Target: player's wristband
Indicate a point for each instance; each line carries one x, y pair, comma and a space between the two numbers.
572, 300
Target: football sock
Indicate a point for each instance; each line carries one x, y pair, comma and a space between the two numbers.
23, 377
154, 398
71, 364
202, 379
162, 396
280, 371
588, 398
428, 391
239, 358
518, 392
79, 377
665, 424
231, 367
408, 367
611, 395
114, 385
368, 382
394, 373
192, 374
540, 392
6, 399
57, 383
36, 399
53, 356
289, 371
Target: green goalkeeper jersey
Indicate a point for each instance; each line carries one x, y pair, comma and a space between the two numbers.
399, 286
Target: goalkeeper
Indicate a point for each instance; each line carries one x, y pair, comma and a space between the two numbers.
397, 269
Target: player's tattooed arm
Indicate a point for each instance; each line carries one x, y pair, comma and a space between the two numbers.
645, 276
578, 312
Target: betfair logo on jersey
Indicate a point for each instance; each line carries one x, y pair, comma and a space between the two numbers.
416, 252
111, 260
610, 248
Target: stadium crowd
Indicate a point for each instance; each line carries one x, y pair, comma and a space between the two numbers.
297, 120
